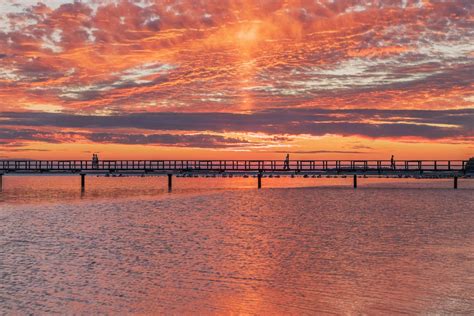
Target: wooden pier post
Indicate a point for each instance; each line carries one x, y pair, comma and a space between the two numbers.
355, 181
259, 180
170, 181
455, 182
83, 182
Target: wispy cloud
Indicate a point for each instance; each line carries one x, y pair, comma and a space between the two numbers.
367, 123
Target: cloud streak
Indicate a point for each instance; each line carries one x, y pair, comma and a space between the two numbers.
316, 122
16, 138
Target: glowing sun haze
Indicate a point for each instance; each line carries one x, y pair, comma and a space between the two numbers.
232, 79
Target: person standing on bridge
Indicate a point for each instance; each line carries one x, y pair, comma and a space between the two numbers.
392, 163
286, 165
95, 161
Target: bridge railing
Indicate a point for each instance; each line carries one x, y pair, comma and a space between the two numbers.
232, 165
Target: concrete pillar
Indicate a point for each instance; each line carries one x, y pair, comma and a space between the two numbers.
83, 182
355, 181
455, 182
170, 182
259, 180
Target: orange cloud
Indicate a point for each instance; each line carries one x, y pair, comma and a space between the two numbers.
234, 56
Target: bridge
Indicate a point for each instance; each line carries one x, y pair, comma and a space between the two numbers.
258, 168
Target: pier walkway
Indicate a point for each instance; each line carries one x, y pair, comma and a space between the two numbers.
259, 168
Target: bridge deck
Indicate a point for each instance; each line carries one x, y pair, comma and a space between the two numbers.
447, 167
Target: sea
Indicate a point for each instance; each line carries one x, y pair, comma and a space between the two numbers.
220, 246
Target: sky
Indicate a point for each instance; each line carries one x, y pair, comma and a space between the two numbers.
237, 79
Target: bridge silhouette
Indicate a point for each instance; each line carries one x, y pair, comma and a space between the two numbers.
259, 168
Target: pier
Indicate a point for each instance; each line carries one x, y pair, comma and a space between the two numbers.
423, 169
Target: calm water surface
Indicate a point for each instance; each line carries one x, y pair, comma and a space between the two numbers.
219, 246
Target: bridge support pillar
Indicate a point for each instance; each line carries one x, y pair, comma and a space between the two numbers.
170, 181
455, 182
83, 182
355, 181
259, 180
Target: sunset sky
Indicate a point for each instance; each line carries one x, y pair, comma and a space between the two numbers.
237, 79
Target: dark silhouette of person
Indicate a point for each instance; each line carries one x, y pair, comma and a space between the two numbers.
286, 166
95, 161
392, 163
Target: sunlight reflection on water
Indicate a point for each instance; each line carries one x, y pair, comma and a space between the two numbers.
219, 246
